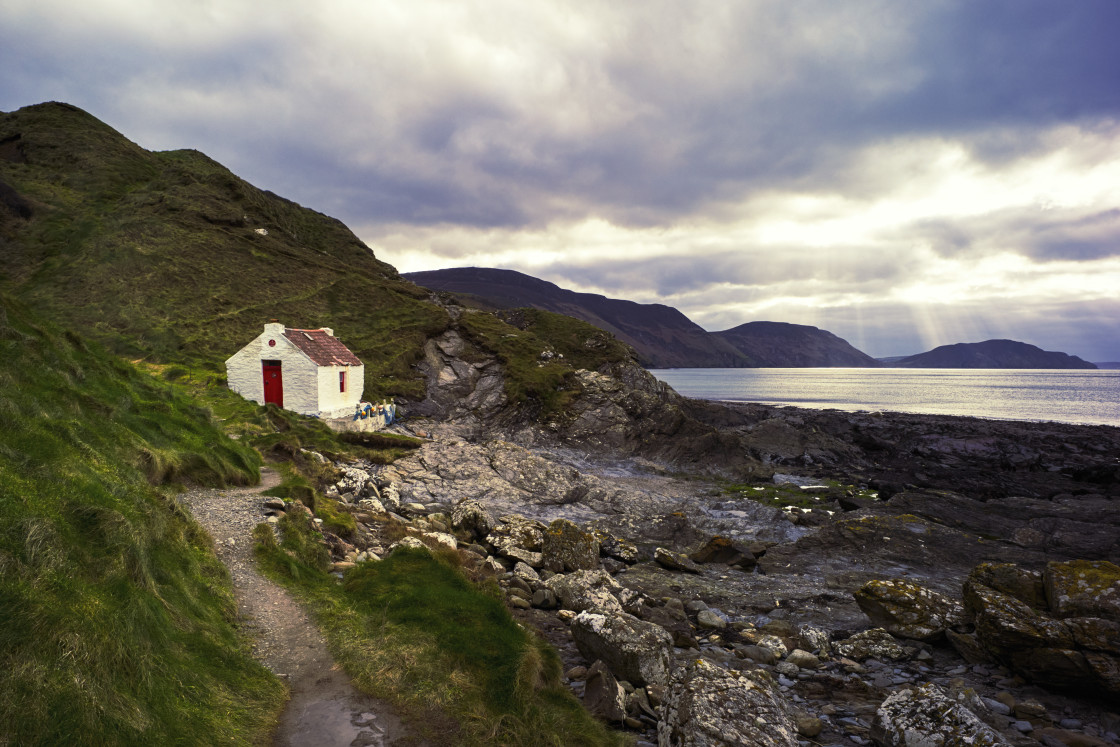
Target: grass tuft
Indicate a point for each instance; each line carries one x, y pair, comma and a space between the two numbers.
411, 629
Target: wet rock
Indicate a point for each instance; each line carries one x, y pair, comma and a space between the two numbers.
565, 547
674, 561
925, 715
586, 590
707, 705
634, 650
908, 610
1052, 526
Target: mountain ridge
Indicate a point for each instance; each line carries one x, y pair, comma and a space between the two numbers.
662, 335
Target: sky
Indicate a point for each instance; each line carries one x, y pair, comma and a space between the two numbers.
904, 175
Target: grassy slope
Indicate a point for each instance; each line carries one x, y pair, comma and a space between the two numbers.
412, 630
159, 252
117, 617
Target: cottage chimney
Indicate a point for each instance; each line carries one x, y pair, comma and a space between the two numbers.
274, 328
328, 330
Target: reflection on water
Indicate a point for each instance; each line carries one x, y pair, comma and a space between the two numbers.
1073, 396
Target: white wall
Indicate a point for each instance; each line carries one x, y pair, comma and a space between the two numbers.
300, 375
335, 404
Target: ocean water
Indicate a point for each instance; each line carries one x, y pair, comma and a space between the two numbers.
1069, 396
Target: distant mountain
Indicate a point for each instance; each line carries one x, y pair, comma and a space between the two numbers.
784, 345
662, 336
992, 354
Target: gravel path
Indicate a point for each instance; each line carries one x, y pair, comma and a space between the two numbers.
324, 709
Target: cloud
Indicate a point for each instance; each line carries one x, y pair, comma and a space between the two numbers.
818, 160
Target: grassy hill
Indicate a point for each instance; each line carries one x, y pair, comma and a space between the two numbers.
117, 617
171, 255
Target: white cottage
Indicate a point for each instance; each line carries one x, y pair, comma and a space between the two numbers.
308, 371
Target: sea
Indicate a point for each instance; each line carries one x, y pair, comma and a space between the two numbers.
1067, 396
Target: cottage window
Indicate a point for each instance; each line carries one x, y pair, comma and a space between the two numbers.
342, 382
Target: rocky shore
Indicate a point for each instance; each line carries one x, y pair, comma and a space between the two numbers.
756, 575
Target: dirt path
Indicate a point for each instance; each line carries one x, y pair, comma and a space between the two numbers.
324, 709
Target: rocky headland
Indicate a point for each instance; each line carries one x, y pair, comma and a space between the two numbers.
758, 575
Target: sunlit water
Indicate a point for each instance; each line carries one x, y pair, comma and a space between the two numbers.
1073, 396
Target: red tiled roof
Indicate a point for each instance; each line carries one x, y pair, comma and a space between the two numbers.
321, 347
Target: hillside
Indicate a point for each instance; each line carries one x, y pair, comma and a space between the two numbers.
662, 336
991, 354
169, 254
118, 619
783, 345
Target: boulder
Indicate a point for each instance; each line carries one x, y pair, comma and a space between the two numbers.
803, 659
619, 549
1008, 578
927, 716
814, 640
720, 549
1072, 653
709, 620
674, 561
565, 547
870, 644
518, 538
707, 705
908, 610
602, 694
472, 517
634, 650
586, 590
1083, 588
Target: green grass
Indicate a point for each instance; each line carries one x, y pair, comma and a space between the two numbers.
786, 496
546, 385
412, 630
117, 617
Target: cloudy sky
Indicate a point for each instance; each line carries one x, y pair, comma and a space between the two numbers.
902, 174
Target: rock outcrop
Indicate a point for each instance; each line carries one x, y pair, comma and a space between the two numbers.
925, 715
707, 705
908, 610
1074, 642
632, 649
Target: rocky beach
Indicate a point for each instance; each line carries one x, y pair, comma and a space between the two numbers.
759, 575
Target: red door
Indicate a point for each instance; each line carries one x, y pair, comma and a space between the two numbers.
273, 383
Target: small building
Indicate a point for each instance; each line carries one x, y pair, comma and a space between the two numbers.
308, 371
